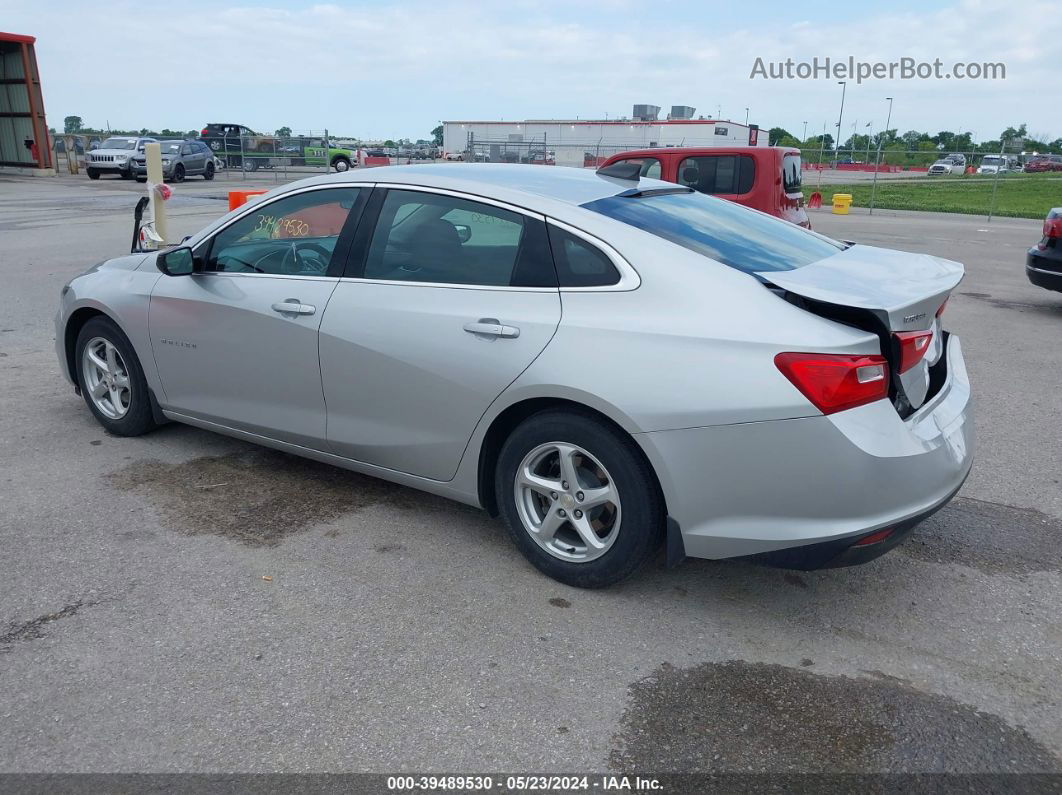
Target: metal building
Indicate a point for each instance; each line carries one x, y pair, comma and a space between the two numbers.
23, 129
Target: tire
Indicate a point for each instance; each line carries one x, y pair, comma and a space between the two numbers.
178, 172
93, 173
133, 416
250, 164
141, 179
209, 173
629, 529
341, 164
126, 174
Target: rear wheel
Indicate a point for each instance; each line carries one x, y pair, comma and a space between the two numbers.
209, 173
578, 498
250, 164
112, 380
178, 173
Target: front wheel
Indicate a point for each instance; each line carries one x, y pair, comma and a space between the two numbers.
341, 164
250, 164
112, 380
578, 498
93, 173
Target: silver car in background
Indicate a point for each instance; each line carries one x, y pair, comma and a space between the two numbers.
115, 156
609, 363
180, 159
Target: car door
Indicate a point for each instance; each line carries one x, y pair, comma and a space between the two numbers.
449, 299
237, 342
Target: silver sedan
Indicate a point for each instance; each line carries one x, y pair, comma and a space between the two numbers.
611, 364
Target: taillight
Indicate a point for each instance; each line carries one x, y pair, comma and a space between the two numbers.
835, 382
204, 132
913, 346
1053, 227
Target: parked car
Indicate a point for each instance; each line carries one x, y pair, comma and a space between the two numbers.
719, 379
180, 159
115, 156
1043, 264
454, 156
1041, 163
764, 178
998, 164
950, 164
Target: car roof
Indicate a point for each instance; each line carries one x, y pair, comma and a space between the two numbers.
523, 185
704, 150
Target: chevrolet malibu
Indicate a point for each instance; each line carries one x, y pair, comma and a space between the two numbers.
610, 363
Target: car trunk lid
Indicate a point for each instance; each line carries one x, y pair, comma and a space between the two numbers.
895, 294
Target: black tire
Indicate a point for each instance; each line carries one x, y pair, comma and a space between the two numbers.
93, 173
128, 174
209, 173
139, 418
178, 173
141, 179
250, 164
341, 164
641, 531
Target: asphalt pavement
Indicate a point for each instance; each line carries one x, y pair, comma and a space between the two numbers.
187, 602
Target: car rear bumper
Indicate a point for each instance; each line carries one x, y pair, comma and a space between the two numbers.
760, 487
1044, 268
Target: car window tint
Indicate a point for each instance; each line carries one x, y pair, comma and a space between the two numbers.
726, 232
650, 166
730, 174
580, 264
427, 237
290, 236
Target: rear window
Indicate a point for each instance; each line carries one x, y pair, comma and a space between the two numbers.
744, 239
791, 173
729, 174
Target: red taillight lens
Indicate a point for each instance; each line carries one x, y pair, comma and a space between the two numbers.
204, 132
835, 382
913, 346
1053, 227
873, 538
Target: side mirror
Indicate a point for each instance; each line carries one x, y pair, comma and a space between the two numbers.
464, 232
176, 261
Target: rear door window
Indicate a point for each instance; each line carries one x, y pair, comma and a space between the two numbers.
726, 174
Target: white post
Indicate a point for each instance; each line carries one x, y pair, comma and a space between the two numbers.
153, 156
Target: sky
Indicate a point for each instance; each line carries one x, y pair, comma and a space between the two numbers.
394, 70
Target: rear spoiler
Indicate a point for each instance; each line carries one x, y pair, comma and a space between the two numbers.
622, 170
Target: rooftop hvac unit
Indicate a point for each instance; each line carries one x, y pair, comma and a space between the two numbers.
681, 112
646, 112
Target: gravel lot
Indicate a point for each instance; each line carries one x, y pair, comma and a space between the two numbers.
187, 602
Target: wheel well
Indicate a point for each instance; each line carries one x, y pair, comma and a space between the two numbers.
506, 422
337, 158
74, 325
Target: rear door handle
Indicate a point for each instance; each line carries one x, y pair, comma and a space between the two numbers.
291, 306
491, 327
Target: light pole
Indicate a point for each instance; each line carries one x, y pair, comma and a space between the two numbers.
840, 116
870, 126
802, 140
746, 117
877, 157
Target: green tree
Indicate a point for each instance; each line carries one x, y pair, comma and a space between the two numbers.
283, 132
437, 135
776, 134
389, 144
72, 124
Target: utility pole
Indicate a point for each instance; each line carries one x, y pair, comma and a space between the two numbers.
840, 116
746, 117
805, 133
877, 157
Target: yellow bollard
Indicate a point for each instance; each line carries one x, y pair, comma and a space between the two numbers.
841, 203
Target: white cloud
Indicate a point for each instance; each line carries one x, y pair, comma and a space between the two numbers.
396, 70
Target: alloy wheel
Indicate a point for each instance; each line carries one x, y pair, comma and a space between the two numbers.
567, 502
106, 378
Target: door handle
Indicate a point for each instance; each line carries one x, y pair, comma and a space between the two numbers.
491, 327
291, 306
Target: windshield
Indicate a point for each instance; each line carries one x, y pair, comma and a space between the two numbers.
119, 143
170, 147
744, 239
991, 161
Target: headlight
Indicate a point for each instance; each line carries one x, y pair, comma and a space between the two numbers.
165, 161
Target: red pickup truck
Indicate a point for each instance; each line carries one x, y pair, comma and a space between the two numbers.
765, 178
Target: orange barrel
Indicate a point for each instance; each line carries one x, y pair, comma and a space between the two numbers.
239, 197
